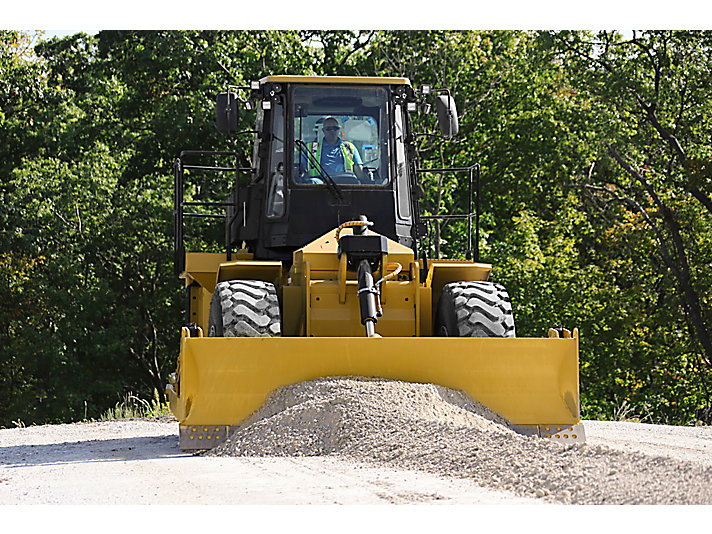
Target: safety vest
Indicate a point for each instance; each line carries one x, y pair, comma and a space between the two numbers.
347, 150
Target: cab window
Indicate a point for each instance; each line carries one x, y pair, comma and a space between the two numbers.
340, 132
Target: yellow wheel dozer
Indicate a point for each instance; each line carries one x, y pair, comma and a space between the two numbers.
326, 278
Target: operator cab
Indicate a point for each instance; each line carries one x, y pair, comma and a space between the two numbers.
297, 192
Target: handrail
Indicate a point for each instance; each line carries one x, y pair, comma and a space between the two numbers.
179, 213
470, 214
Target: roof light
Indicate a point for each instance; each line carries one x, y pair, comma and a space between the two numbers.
255, 85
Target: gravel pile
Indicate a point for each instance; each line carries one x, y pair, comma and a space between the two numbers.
444, 432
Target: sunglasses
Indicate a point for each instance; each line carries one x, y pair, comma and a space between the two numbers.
332, 128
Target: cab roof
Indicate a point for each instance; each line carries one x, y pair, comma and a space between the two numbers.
336, 79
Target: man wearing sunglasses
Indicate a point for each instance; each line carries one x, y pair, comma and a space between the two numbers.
336, 155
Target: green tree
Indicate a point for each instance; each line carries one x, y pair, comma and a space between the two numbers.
649, 98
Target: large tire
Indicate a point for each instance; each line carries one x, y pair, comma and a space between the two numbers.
244, 308
474, 309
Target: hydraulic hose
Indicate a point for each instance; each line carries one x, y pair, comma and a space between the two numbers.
350, 224
398, 269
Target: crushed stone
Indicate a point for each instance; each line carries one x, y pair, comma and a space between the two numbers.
444, 432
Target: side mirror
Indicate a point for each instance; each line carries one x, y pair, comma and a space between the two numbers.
447, 115
226, 112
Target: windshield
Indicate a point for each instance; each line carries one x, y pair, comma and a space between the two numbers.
340, 132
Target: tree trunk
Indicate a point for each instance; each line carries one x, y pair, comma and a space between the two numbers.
677, 263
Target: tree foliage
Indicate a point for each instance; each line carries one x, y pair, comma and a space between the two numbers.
596, 196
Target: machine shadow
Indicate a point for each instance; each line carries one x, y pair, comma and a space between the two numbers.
110, 450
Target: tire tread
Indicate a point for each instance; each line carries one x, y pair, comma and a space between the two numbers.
250, 308
481, 309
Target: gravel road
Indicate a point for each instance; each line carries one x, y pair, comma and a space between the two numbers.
378, 442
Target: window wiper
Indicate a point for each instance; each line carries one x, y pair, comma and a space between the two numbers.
328, 181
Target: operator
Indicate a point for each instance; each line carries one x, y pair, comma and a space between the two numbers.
335, 155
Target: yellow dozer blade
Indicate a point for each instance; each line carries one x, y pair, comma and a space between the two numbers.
532, 382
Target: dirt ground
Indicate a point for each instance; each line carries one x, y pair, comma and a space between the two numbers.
357, 441
139, 462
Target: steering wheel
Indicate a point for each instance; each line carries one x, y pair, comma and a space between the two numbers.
346, 178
